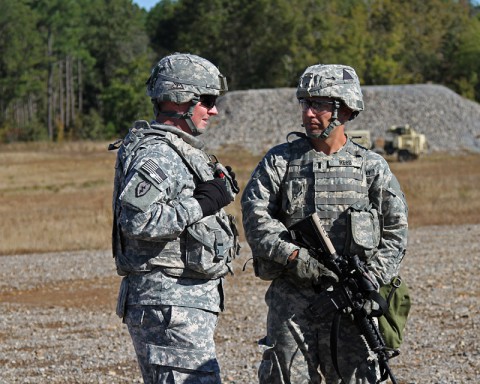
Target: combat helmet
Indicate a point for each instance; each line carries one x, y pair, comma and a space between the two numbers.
337, 81
183, 78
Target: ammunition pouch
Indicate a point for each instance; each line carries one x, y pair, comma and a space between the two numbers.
363, 231
211, 245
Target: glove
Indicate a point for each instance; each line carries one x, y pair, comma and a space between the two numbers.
306, 271
234, 180
212, 195
371, 307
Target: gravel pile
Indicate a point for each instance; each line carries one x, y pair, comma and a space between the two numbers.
57, 321
257, 119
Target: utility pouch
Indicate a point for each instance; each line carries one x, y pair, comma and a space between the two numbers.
392, 323
210, 245
363, 230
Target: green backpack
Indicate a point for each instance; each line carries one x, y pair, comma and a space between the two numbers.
392, 323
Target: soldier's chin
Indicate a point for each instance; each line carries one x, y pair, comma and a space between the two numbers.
314, 134
200, 130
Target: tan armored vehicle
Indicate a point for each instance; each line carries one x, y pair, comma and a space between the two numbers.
401, 140
407, 143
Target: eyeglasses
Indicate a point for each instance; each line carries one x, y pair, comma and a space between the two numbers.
315, 105
208, 100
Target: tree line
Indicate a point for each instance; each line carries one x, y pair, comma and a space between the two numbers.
76, 69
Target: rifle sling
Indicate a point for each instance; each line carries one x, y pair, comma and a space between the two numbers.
382, 303
335, 331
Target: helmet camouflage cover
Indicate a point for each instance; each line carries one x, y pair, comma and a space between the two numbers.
181, 77
332, 80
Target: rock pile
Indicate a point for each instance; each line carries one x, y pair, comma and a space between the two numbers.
258, 119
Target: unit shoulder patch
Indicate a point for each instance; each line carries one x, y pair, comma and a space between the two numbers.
142, 188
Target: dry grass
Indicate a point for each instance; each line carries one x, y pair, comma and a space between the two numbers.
441, 189
56, 197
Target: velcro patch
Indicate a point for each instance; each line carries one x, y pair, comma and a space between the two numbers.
154, 171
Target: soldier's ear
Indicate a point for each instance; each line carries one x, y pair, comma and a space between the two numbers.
346, 113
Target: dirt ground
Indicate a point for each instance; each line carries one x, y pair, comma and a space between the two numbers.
57, 321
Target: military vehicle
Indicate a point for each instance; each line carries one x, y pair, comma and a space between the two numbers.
401, 140
361, 137
407, 143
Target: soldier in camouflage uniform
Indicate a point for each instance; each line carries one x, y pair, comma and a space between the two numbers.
172, 240
361, 206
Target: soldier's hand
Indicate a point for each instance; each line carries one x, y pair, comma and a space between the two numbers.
212, 195
305, 271
371, 306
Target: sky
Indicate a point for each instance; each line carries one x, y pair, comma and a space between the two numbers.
147, 4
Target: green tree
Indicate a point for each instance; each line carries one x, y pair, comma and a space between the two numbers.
58, 28
115, 37
431, 29
162, 27
384, 44
76, 69
465, 68
20, 71
124, 99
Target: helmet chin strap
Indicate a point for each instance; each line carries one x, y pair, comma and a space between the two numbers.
187, 116
326, 132
334, 121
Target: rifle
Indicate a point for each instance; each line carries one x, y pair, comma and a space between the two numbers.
354, 289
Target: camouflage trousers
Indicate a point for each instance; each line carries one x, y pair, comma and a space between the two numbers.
174, 344
297, 347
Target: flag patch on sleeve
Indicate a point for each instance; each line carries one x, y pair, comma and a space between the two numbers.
154, 171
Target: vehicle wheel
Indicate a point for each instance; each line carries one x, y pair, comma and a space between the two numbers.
404, 155
388, 147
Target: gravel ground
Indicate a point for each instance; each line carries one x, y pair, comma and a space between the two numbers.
57, 321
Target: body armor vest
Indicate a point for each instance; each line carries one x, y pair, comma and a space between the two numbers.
205, 249
327, 184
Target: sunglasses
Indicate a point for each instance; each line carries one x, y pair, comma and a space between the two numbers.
315, 105
208, 101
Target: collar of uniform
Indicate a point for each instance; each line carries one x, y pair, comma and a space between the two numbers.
192, 140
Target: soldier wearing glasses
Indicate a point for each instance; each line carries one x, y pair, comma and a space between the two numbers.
172, 240
320, 171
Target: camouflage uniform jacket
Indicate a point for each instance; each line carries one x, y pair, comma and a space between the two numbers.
356, 196
161, 243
